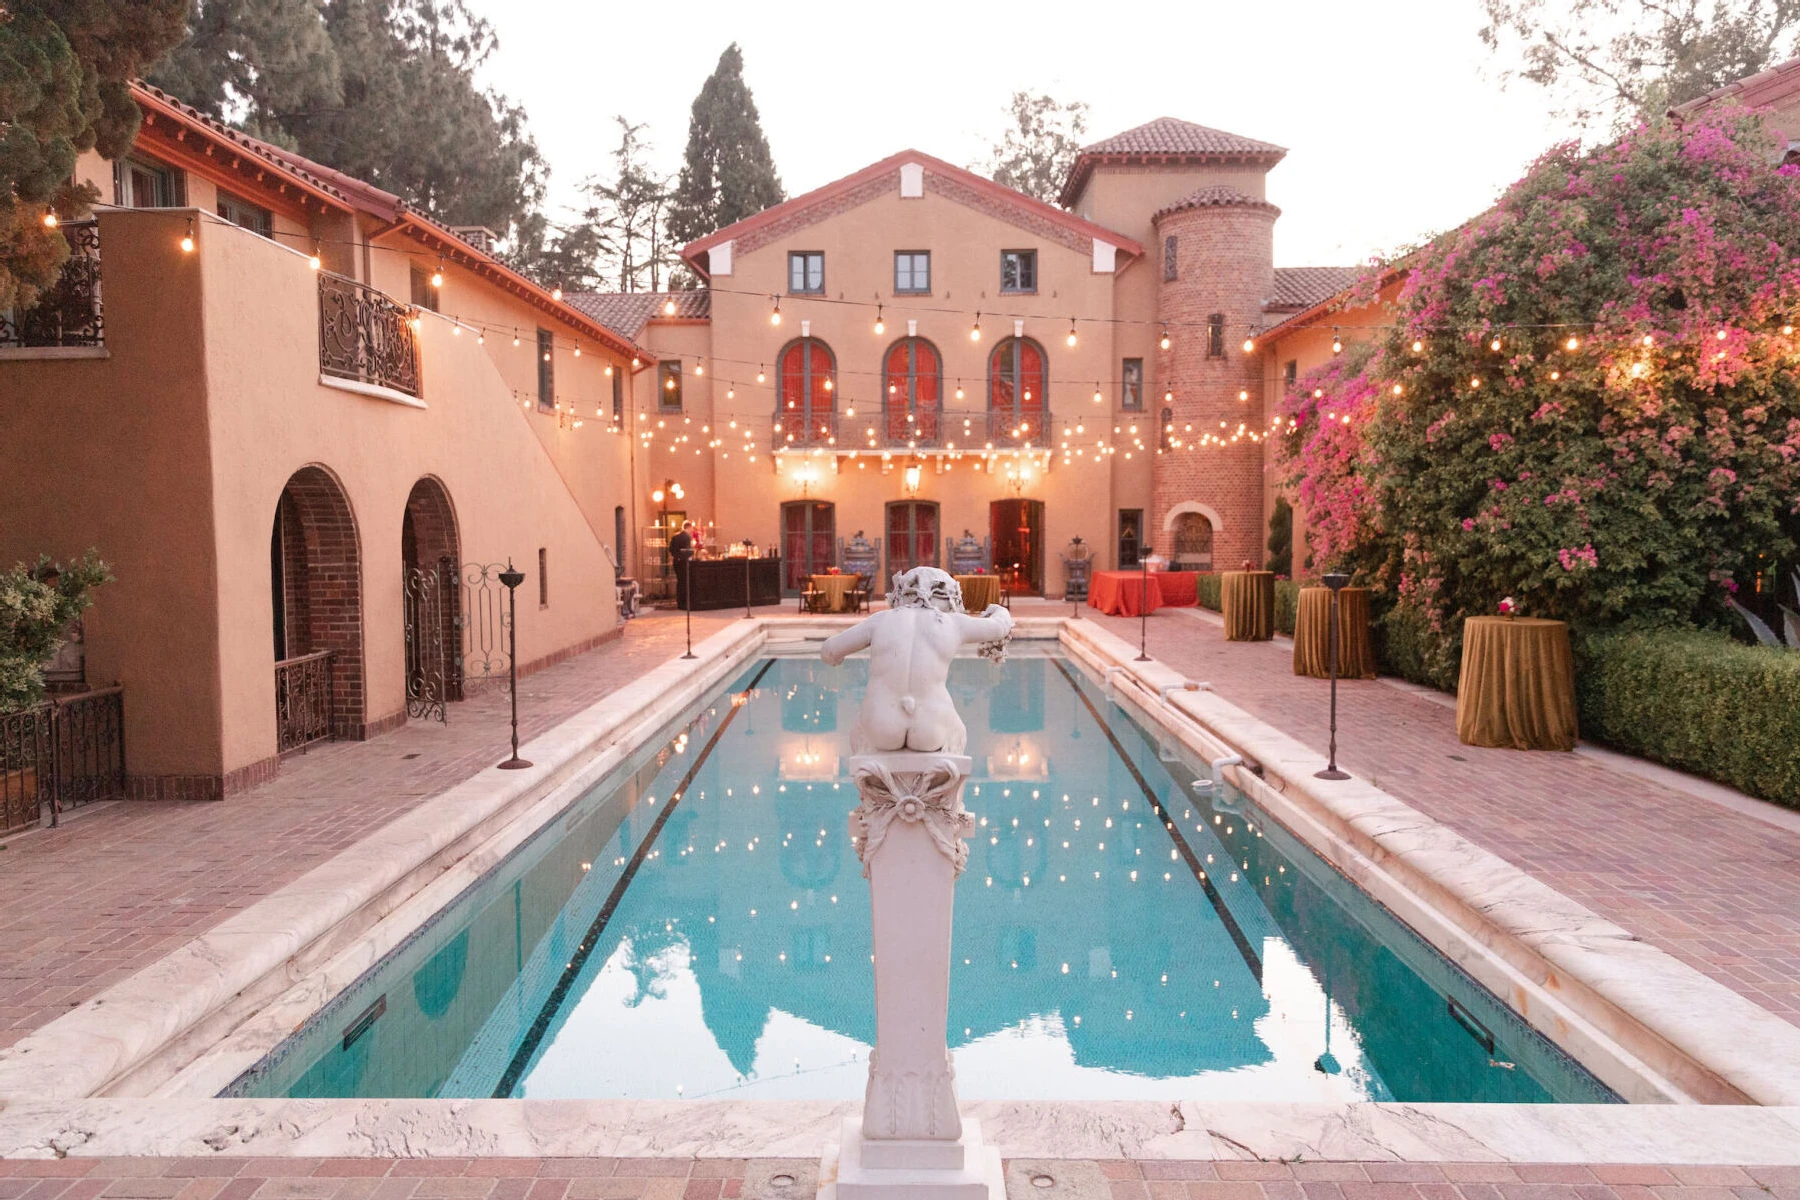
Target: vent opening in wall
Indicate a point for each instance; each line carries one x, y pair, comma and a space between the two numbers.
543, 577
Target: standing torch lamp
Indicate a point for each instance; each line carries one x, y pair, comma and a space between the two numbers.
749, 553
1144, 553
512, 577
1335, 580
687, 568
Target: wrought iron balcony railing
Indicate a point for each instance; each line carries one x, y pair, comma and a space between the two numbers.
68, 313
365, 336
920, 429
802, 428
65, 752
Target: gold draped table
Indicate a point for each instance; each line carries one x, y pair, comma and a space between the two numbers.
979, 591
1517, 689
834, 592
1248, 598
1312, 634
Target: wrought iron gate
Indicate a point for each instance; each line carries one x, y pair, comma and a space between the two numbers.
429, 600
481, 622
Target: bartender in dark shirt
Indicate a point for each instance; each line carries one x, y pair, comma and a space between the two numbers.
681, 549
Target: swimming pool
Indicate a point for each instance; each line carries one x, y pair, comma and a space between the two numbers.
697, 926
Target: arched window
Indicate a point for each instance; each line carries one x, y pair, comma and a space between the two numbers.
807, 393
1017, 402
912, 395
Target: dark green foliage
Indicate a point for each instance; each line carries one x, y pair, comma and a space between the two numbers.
37, 602
1287, 605
65, 72
1698, 701
1281, 537
1407, 646
1036, 151
727, 172
1210, 590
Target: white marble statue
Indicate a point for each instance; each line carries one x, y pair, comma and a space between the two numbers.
911, 643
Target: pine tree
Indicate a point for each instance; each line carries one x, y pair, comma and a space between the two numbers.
727, 173
65, 73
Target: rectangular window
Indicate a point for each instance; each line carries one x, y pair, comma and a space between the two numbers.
249, 216
806, 271
1169, 257
546, 348
423, 294
668, 385
543, 577
1018, 270
141, 184
618, 380
1215, 336
912, 271
619, 539
1131, 524
1289, 373
1131, 384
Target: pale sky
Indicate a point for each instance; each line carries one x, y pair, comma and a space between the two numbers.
1394, 119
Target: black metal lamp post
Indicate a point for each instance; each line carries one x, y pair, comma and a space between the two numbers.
749, 553
687, 567
512, 577
1144, 553
1335, 580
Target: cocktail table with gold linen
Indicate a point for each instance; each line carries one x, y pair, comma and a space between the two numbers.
1517, 688
979, 591
1248, 598
1312, 634
834, 592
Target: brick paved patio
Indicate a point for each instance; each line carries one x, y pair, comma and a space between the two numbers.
113, 890
777, 1179
1717, 889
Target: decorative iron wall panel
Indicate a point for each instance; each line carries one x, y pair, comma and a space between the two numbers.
69, 311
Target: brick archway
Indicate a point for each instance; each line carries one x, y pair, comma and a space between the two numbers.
429, 541
317, 562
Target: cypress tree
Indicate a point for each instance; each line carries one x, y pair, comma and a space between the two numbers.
727, 173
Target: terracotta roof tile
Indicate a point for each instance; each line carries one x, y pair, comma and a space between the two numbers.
1216, 196
1166, 135
1302, 287
1765, 87
628, 312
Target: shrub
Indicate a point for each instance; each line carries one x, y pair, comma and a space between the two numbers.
1281, 537
1698, 701
1211, 590
37, 602
1287, 605
1408, 646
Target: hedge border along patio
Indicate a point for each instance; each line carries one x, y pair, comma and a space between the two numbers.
1698, 701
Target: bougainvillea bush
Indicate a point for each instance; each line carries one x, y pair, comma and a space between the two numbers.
1632, 445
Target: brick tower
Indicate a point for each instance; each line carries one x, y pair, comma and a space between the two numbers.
1217, 269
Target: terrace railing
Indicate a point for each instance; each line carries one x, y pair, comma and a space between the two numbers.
69, 312
794, 428
365, 336
303, 700
61, 754
928, 428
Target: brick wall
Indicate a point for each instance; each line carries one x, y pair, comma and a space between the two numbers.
333, 585
1224, 264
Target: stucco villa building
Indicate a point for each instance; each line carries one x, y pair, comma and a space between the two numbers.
306, 425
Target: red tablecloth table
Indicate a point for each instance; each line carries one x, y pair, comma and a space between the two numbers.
1179, 588
1122, 593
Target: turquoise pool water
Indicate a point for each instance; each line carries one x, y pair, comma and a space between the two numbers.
698, 927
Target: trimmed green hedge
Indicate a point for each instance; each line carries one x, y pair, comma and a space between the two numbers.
1209, 587
1287, 605
1698, 701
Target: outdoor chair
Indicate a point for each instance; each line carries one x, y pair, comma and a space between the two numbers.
859, 595
811, 598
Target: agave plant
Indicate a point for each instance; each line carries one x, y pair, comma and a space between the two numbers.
1790, 621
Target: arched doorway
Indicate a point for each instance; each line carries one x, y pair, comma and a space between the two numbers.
430, 552
315, 566
1193, 542
1017, 530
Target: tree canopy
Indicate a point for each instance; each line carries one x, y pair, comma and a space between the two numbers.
384, 90
1587, 399
1036, 151
727, 172
65, 72
1623, 59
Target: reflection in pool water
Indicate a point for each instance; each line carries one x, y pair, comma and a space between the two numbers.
1097, 953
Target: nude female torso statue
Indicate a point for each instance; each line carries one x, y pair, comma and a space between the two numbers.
907, 704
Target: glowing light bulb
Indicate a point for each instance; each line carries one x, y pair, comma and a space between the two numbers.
1474, 381
1164, 341
1097, 397
1337, 343
1720, 335
187, 240
1494, 345
578, 348
959, 396
437, 276
556, 295
313, 261
880, 325
1555, 375
669, 307
1397, 389
515, 339
1418, 346
975, 329
1072, 339
775, 314
1574, 343
759, 373
1649, 339
1250, 344
49, 218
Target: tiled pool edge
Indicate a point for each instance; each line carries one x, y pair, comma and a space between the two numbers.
1658, 1010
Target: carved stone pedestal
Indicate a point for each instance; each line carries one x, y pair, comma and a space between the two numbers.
911, 1143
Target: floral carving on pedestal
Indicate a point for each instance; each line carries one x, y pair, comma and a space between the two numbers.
911, 1103
932, 798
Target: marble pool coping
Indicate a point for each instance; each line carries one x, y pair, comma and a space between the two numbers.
126, 1072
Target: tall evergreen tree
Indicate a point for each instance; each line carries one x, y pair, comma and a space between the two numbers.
257, 60
727, 173
65, 73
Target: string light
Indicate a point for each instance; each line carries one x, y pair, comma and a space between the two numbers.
49, 218
1337, 343
187, 239
1164, 342
1250, 341
975, 329
700, 367
1098, 398
1649, 340
437, 276
556, 294
880, 325
1494, 345
775, 313
1474, 381
577, 347
959, 392
315, 262
1787, 329
669, 307
1574, 343
515, 337
1072, 338
1418, 346
759, 373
